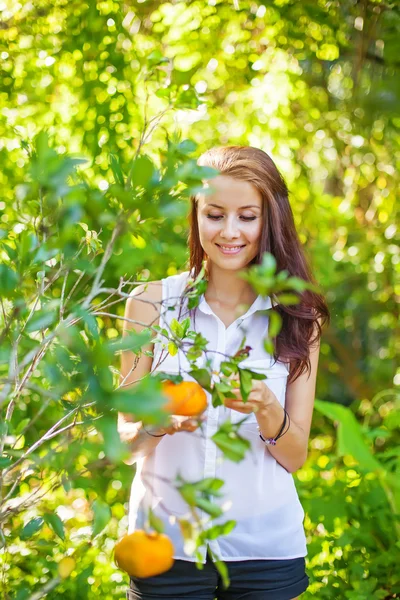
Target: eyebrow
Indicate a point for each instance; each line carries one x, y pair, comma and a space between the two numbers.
247, 206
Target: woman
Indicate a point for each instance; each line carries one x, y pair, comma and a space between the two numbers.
247, 214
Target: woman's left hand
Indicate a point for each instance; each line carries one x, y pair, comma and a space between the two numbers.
260, 397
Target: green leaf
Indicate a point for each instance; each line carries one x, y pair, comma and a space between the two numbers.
187, 146
177, 328
227, 368
66, 483
172, 349
246, 383
209, 507
8, 281
102, 516
223, 571
203, 378
155, 522
116, 169
216, 531
144, 400
268, 263
5, 461
288, 299
188, 493
255, 375
132, 341
54, 521
350, 439
209, 485
156, 58
185, 326
216, 397
274, 324
42, 319
268, 346
187, 99
21, 425
114, 448
187, 529
31, 528
89, 320
142, 171
231, 444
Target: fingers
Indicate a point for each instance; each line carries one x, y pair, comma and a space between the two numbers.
179, 423
240, 406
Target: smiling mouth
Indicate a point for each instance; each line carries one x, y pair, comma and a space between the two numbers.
230, 249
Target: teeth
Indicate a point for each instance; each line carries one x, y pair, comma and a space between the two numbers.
230, 247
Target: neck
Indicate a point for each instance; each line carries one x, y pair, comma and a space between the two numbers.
227, 289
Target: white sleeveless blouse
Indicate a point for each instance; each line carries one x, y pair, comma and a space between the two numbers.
258, 492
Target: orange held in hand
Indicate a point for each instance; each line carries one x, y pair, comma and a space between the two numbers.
143, 554
186, 399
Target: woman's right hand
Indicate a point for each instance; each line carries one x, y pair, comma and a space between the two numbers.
179, 423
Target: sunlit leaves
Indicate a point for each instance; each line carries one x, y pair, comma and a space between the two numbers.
8, 280
83, 74
32, 527
231, 444
198, 494
54, 521
142, 171
41, 320
155, 522
114, 448
350, 439
102, 515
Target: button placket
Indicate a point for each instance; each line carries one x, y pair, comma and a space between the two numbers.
210, 462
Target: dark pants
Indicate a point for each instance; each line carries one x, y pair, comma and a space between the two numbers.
249, 580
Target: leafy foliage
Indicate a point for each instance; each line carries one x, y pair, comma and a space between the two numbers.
106, 107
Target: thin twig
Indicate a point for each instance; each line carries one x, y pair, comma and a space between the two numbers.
62, 305
42, 440
106, 257
46, 588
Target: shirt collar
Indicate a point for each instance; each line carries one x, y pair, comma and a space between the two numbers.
260, 303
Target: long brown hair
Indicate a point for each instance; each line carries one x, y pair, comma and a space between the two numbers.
280, 238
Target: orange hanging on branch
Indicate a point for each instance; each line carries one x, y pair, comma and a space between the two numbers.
187, 399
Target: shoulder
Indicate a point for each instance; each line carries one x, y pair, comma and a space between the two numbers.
148, 290
144, 301
148, 295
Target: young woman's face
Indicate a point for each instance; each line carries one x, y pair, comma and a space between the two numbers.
230, 222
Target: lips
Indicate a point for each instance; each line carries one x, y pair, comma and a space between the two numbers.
230, 250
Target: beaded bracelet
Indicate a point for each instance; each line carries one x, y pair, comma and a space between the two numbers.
153, 434
272, 441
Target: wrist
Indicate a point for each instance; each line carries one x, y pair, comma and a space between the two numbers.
155, 431
268, 408
270, 418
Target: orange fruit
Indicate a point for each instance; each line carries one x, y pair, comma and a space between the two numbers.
186, 399
143, 554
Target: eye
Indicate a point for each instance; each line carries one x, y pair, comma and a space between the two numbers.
217, 217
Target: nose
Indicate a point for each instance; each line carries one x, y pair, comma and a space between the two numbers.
230, 229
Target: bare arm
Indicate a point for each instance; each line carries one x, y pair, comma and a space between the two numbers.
139, 307
291, 449
143, 307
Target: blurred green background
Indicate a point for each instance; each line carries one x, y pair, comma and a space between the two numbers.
314, 84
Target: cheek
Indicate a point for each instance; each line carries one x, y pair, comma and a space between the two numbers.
254, 234
207, 229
